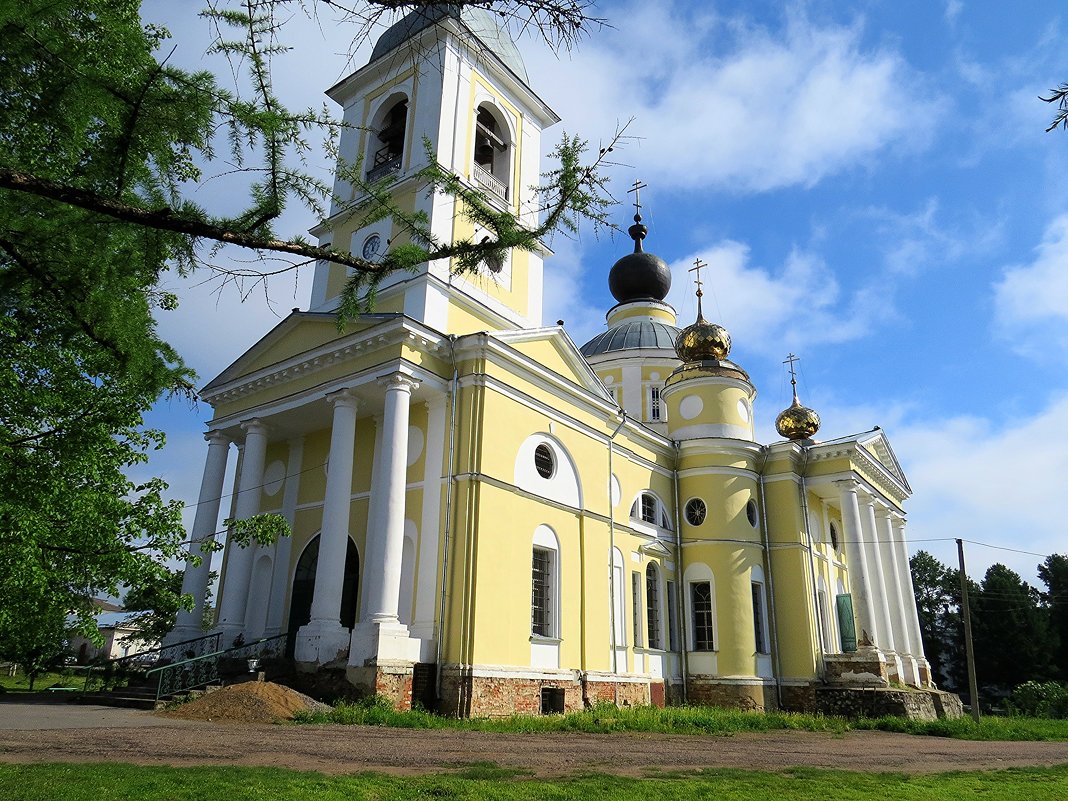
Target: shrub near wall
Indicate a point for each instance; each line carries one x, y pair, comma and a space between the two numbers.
1047, 699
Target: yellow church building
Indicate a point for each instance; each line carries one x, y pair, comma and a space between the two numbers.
488, 517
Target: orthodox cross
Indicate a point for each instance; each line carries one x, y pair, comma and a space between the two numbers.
638, 186
698, 264
793, 375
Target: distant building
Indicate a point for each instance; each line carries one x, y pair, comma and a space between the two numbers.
119, 641
481, 506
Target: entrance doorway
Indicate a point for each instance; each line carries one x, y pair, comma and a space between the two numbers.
304, 588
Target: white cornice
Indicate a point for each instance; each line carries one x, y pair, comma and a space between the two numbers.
391, 332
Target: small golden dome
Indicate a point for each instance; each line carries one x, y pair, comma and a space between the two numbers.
797, 422
703, 341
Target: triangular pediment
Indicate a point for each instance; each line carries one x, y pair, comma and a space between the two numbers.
878, 446
300, 332
551, 348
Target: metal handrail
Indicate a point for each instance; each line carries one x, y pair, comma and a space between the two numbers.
119, 665
201, 670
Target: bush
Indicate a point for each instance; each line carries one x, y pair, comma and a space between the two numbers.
1040, 699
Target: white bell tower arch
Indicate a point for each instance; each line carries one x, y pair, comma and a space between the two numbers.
450, 77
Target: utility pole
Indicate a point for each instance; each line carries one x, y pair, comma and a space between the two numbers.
969, 648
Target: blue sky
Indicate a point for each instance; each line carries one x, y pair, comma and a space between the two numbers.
872, 187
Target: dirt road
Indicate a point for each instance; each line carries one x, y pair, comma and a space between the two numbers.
94, 734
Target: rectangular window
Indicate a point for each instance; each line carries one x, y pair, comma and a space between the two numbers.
541, 612
701, 602
648, 508
672, 617
652, 607
758, 618
636, 590
654, 403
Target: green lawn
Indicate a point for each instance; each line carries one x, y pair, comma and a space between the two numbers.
692, 720
133, 783
21, 683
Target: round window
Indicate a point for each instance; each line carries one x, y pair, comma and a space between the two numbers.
695, 511
544, 461
751, 512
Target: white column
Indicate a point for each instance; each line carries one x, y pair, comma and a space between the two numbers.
323, 639
381, 635
202, 535
284, 547
908, 596
239, 561
426, 585
895, 595
859, 579
877, 580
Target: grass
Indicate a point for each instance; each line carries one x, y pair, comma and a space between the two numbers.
104, 782
690, 720
20, 682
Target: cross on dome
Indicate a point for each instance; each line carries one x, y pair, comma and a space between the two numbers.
636, 189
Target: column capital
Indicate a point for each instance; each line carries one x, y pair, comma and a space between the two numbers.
343, 397
398, 381
882, 512
216, 437
847, 484
254, 425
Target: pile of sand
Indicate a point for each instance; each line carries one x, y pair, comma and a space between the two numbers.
249, 702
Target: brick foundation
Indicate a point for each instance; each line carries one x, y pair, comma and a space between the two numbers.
710, 691
392, 681
464, 695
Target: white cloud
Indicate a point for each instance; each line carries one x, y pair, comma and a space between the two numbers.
565, 297
1031, 299
953, 9
799, 302
737, 105
1000, 483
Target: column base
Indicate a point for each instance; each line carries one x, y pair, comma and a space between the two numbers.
865, 667
183, 633
426, 633
379, 642
322, 642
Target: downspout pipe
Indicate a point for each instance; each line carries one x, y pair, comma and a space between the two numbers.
451, 470
680, 572
612, 558
771, 578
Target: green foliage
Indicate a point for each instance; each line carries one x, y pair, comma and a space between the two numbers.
1047, 699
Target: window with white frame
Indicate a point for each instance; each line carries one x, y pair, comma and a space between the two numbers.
541, 601
672, 617
649, 509
636, 602
703, 623
652, 605
759, 628
545, 584
656, 412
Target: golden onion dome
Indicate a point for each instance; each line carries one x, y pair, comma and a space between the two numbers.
797, 422
703, 341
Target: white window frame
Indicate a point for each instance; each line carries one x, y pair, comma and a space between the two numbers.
546, 544
662, 520
654, 622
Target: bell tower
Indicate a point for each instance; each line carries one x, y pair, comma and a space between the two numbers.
450, 79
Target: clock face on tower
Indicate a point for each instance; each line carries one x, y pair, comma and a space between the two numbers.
371, 246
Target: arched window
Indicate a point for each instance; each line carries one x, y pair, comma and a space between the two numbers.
545, 584
387, 143
492, 155
652, 605
649, 509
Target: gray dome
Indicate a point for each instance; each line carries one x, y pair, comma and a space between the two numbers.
632, 335
482, 23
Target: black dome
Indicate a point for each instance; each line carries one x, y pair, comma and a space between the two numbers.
639, 275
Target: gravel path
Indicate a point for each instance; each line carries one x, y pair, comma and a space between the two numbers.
37, 733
